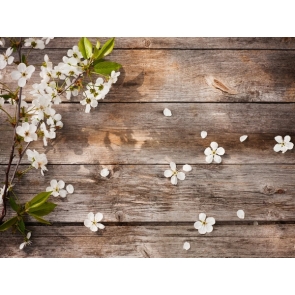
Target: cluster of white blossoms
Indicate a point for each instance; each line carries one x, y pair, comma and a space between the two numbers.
38, 161
57, 188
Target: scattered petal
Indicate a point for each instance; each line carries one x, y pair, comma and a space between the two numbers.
243, 138
186, 246
104, 172
187, 168
203, 134
167, 112
241, 214
70, 189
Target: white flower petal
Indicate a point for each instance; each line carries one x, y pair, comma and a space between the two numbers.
220, 151
93, 227
70, 189
167, 112
210, 220
277, 147
174, 180
202, 216
209, 159
21, 82
186, 246
279, 139
168, 173
217, 159
202, 230
53, 183
104, 172
203, 134
98, 217
284, 149
287, 138
241, 214
22, 245
197, 224
208, 151
209, 228
214, 145
63, 193
87, 222
243, 138
180, 175
100, 226
289, 145
61, 184
187, 168
90, 216
29, 235
173, 166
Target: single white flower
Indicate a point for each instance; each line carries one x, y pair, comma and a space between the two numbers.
214, 153
283, 145
203, 134
38, 160
113, 78
55, 122
187, 168
6, 58
186, 246
75, 53
89, 102
46, 134
27, 131
204, 225
47, 39
174, 174
70, 189
93, 221
104, 172
34, 43
56, 187
167, 112
26, 241
243, 138
241, 214
22, 74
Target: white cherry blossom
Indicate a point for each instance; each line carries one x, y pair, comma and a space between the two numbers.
174, 174
214, 153
283, 145
27, 131
113, 78
22, 74
46, 134
38, 160
57, 188
75, 53
89, 102
26, 241
204, 225
34, 43
6, 58
47, 39
92, 221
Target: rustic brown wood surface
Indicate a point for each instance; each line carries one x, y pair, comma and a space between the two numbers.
226, 86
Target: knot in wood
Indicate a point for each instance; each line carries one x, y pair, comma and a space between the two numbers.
269, 190
119, 216
147, 43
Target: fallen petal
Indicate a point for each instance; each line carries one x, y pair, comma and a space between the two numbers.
203, 134
186, 246
167, 112
241, 214
104, 172
243, 138
187, 168
70, 189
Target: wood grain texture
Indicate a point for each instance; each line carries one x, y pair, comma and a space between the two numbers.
151, 241
140, 134
136, 193
182, 75
184, 43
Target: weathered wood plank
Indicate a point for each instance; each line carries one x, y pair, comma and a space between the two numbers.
135, 193
173, 75
154, 241
140, 133
185, 43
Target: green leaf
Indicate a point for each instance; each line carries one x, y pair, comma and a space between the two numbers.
8, 223
85, 47
106, 49
96, 50
21, 226
6, 96
38, 200
38, 218
106, 67
13, 204
97, 46
43, 209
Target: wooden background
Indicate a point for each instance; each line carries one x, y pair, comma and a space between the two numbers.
145, 215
